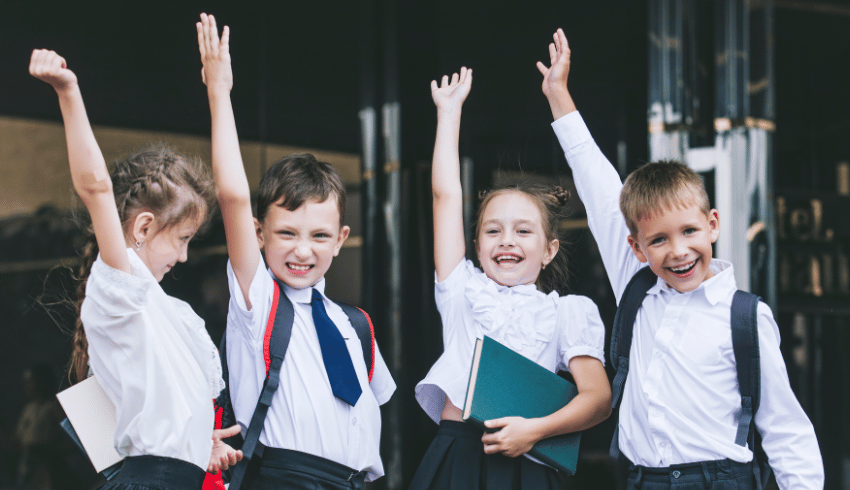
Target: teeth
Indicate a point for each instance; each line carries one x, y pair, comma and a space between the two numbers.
683, 268
299, 267
507, 258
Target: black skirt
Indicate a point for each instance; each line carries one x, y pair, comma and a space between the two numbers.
156, 473
456, 461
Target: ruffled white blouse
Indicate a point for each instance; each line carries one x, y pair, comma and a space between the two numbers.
545, 328
153, 357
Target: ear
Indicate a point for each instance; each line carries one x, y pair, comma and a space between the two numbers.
635, 246
143, 226
713, 225
259, 229
551, 251
343, 235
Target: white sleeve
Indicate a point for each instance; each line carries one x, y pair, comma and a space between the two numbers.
787, 434
582, 332
251, 322
598, 186
115, 293
383, 385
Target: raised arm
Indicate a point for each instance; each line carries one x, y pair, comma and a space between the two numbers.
449, 244
596, 180
88, 169
233, 192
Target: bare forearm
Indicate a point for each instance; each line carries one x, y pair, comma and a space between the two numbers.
560, 102
228, 170
445, 173
583, 412
88, 168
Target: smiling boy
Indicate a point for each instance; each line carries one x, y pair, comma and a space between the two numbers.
681, 403
323, 426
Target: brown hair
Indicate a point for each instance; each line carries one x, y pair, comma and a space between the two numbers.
172, 187
550, 200
296, 179
660, 185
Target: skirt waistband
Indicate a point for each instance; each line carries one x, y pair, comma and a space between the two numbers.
459, 429
161, 472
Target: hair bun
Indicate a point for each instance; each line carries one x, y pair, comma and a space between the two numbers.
561, 195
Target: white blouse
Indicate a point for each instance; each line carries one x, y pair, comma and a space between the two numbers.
155, 360
545, 328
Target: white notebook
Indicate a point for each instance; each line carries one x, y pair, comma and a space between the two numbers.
93, 417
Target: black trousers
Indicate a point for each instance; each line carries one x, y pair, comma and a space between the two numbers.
706, 475
294, 470
156, 473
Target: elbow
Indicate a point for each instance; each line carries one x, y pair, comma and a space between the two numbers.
91, 191
231, 197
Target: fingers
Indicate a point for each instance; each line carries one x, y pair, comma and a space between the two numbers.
225, 40
553, 54
496, 423
445, 81
228, 432
454, 78
542, 68
434, 86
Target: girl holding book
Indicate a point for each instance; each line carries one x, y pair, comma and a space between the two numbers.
149, 351
514, 298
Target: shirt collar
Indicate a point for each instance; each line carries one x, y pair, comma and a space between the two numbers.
715, 288
138, 267
304, 295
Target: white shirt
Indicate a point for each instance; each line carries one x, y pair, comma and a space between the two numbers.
155, 360
681, 400
304, 415
545, 328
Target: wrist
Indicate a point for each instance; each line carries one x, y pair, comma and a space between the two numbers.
67, 90
561, 102
217, 91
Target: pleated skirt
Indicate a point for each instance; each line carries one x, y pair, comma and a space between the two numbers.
156, 473
456, 461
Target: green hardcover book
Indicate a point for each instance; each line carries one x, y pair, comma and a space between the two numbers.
503, 383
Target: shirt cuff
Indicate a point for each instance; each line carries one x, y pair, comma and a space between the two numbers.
571, 131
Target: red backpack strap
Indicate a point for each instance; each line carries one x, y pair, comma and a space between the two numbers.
365, 332
270, 328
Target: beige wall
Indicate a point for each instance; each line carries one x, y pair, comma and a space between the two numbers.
34, 160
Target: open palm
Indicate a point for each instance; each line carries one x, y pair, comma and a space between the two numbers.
450, 94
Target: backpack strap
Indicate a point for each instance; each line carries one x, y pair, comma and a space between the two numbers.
746, 347
621, 339
745, 344
275, 344
362, 324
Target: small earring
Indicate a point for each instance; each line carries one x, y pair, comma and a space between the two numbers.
543, 268
139, 246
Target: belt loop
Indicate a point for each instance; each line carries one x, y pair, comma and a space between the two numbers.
706, 475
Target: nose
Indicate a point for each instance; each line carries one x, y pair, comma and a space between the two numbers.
302, 249
508, 239
184, 253
679, 248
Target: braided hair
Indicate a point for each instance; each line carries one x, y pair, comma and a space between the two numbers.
157, 180
550, 200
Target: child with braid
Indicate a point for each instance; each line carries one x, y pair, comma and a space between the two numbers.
149, 351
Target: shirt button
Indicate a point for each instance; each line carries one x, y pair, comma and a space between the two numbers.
658, 355
662, 444
677, 474
354, 421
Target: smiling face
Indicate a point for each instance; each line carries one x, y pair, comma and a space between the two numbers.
512, 246
677, 244
164, 248
300, 245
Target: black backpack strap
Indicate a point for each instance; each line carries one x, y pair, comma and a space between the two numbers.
745, 344
278, 333
365, 332
621, 339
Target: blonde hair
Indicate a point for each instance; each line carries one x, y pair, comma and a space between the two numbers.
658, 186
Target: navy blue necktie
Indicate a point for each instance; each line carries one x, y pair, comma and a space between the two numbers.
338, 363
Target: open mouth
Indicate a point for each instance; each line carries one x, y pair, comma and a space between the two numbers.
507, 259
298, 269
683, 270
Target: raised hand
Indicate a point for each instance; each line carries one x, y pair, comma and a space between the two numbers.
49, 67
555, 77
223, 456
215, 54
449, 95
